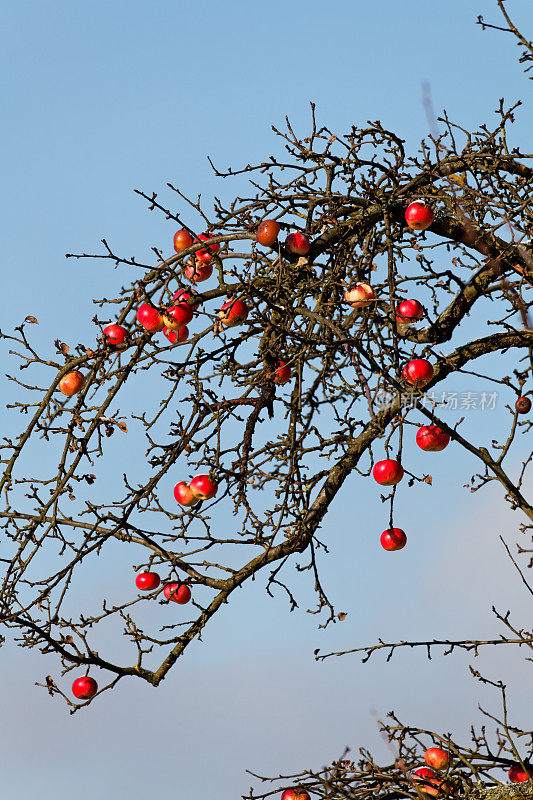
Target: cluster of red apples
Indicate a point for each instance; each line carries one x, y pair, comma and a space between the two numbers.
173, 321
202, 487
429, 783
427, 779
416, 373
85, 688
431, 438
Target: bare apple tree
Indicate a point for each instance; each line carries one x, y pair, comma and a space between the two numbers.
278, 408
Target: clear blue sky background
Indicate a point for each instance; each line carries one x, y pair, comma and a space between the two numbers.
102, 97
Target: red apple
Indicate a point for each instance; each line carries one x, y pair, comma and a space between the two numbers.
429, 783
419, 216
115, 334
176, 336
361, 295
432, 438
182, 240
71, 383
418, 372
282, 373
233, 313
177, 593
267, 232
185, 295
437, 758
204, 255
393, 539
146, 581
409, 311
387, 472
437, 787
199, 272
169, 589
517, 774
150, 318
203, 487
424, 776
182, 595
177, 316
84, 688
298, 244
295, 794
523, 405
184, 494
424, 772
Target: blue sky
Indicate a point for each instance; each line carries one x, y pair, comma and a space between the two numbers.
102, 97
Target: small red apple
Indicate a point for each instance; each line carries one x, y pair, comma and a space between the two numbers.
182, 595
115, 334
387, 472
437, 758
267, 232
146, 581
424, 776
182, 240
185, 295
523, 405
71, 383
393, 539
203, 487
409, 311
295, 794
150, 318
298, 244
424, 773
199, 272
184, 494
438, 787
177, 593
360, 296
432, 438
84, 688
517, 774
283, 373
418, 372
177, 316
176, 336
233, 313
429, 783
203, 254
419, 216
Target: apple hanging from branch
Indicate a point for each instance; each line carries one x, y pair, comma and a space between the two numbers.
267, 232
182, 240
432, 438
147, 581
409, 311
71, 383
419, 216
393, 539
297, 243
150, 318
360, 295
115, 335
388, 472
418, 373
232, 313
84, 688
